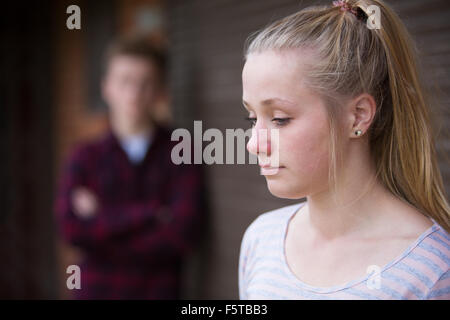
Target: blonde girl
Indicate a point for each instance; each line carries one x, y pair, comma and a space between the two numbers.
355, 140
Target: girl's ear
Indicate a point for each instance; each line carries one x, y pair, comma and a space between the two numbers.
362, 111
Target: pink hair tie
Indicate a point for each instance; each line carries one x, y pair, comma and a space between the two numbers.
345, 7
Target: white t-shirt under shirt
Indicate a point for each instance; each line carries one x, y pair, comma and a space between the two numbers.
420, 272
136, 146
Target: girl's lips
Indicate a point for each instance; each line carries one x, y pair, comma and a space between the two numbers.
269, 171
268, 166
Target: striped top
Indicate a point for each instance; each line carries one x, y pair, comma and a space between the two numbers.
420, 272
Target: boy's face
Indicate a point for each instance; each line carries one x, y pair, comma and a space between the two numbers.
130, 88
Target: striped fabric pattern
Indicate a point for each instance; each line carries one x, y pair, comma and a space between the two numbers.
421, 272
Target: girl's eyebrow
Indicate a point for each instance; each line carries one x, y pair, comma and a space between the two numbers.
269, 102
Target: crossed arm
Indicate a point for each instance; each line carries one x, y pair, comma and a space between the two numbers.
155, 228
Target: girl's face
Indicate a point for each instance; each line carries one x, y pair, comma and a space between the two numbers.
276, 97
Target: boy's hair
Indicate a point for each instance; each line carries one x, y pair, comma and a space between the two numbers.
137, 46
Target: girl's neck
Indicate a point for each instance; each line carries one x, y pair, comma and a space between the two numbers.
349, 213
356, 207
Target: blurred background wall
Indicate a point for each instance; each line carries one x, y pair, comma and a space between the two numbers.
49, 101
206, 48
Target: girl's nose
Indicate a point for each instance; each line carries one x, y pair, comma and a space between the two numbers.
259, 142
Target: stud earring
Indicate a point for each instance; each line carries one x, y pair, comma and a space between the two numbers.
358, 133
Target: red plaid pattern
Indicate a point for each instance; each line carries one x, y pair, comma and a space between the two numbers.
150, 216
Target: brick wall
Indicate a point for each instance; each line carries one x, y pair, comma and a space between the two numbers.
207, 40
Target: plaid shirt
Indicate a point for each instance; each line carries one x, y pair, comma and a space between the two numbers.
149, 216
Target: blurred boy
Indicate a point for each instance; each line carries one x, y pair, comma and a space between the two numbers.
133, 213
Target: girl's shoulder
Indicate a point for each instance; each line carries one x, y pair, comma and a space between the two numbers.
265, 234
430, 254
432, 260
438, 240
271, 222
276, 216
437, 243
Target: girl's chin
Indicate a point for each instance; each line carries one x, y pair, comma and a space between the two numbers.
281, 190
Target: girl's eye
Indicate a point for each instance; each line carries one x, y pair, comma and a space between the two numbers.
251, 120
281, 121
